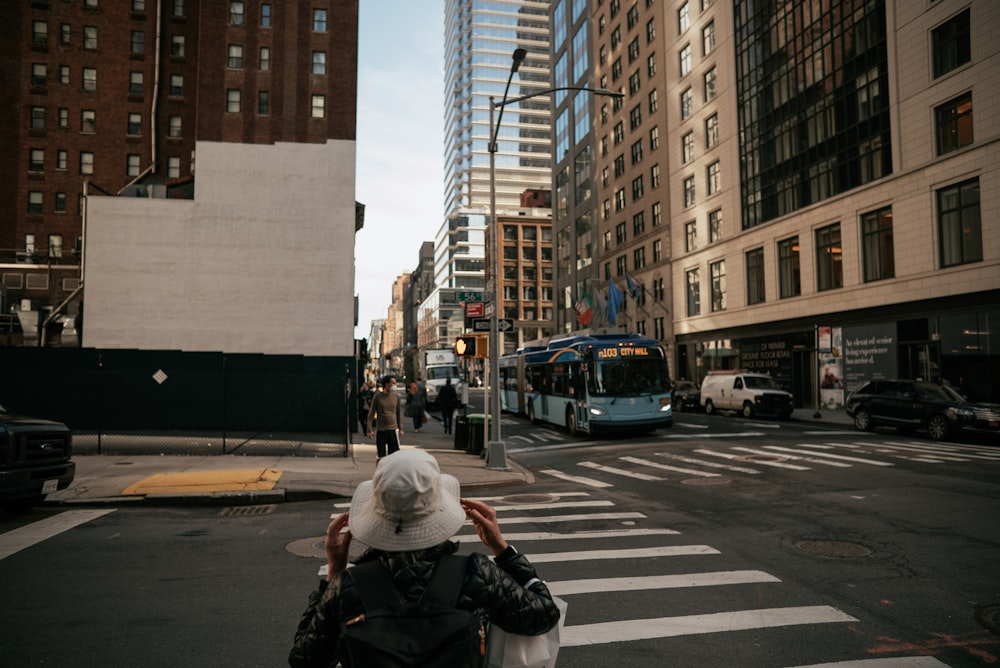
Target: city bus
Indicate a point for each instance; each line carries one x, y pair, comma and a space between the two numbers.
591, 383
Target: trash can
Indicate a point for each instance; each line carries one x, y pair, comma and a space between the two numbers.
477, 433
461, 432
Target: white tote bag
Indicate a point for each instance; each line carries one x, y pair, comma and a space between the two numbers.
507, 650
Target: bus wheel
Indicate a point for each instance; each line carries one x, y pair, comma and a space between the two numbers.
571, 422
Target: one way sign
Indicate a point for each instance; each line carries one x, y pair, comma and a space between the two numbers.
483, 325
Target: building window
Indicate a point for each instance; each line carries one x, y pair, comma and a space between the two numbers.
235, 61
693, 292
173, 167
657, 215
233, 98
36, 160
263, 103
265, 16
708, 38
959, 224
135, 83
683, 18
651, 65
619, 133
633, 50
653, 101
605, 177
619, 199
829, 258
134, 125
755, 276
635, 117
132, 164
689, 192
685, 59
654, 176
953, 120
62, 160
38, 118
55, 245
319, 20
63, 119
318, 106
89, 78
174, 126
39, 74
616, 69
86, 162
691, 236
869, 97
177, 46
711, 130
265, 59
138, 42
179, 7
634, 83
877, 245
88, 121
952, 44
650, 30
687, 148
616, 37
715, 226
789, 274
711, 77
639, 258
621, 265
65, 30
90, 38
138, 6
718, 273
637, 188
176, 85
621, 235
237, 13
319, 62
60, 206
638, 223
633, 17
39, 33
657, 250
714, 178
36, 202
636, 152
687, 104
654, 138
619, 165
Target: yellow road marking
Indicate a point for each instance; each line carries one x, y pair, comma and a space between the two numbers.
200, 482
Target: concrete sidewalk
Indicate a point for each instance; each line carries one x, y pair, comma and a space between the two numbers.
140, 473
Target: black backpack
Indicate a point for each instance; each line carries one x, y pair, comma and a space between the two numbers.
432, 632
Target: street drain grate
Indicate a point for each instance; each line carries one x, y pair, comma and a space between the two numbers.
706, 482
988, 616
247, 511
833, 548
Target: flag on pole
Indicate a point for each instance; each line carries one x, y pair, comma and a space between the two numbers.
633, 289
584, 308
615, 298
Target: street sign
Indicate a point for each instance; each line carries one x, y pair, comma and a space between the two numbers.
483, 324
469, 296
474, 310
505, 324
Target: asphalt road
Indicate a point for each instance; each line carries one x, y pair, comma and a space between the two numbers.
721, 542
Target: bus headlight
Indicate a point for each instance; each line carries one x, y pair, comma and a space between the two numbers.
594, 410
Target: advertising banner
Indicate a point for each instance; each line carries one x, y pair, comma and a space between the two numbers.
869, 353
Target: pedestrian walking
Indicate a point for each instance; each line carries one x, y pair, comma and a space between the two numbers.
416, 405
448, 400
365, 395
385, 419
406, 515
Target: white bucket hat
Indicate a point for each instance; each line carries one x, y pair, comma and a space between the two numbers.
407, 505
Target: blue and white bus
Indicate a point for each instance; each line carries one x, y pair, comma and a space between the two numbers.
593, 383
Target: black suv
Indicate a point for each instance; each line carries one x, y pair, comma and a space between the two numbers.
909, 405
34, 459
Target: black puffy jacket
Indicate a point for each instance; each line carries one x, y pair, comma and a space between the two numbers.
495, 590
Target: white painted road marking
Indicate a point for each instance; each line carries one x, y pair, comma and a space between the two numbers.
759, 462
575, 478
24, 537
636, 553
667, 467
589, 535
568, 587
621, 472
892, 662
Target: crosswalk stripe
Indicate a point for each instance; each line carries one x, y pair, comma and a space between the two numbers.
780, 465
891, 662
636, 553
738, 434
575, 478
24, 537
938, 451
618, 471
714, 465
568, 587
586, 517
667, 467
589, 535
811, 460
562, 504
859, 460
719, 622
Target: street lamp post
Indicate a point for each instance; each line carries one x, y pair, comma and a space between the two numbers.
496, 452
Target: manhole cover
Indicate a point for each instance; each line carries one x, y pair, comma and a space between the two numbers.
988, 617
530, 498
247, 511
706, 482
832, 548
308, 547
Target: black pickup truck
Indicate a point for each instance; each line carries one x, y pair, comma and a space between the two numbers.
34, 459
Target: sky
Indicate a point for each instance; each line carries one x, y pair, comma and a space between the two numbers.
400, 144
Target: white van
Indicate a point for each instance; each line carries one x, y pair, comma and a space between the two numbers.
747, 392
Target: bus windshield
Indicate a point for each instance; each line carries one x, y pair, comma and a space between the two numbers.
628, 377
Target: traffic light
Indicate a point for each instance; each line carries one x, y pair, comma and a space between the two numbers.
471, 345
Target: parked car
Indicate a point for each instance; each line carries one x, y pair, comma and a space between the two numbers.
746, 392
686, 396
34, 459
909, 405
